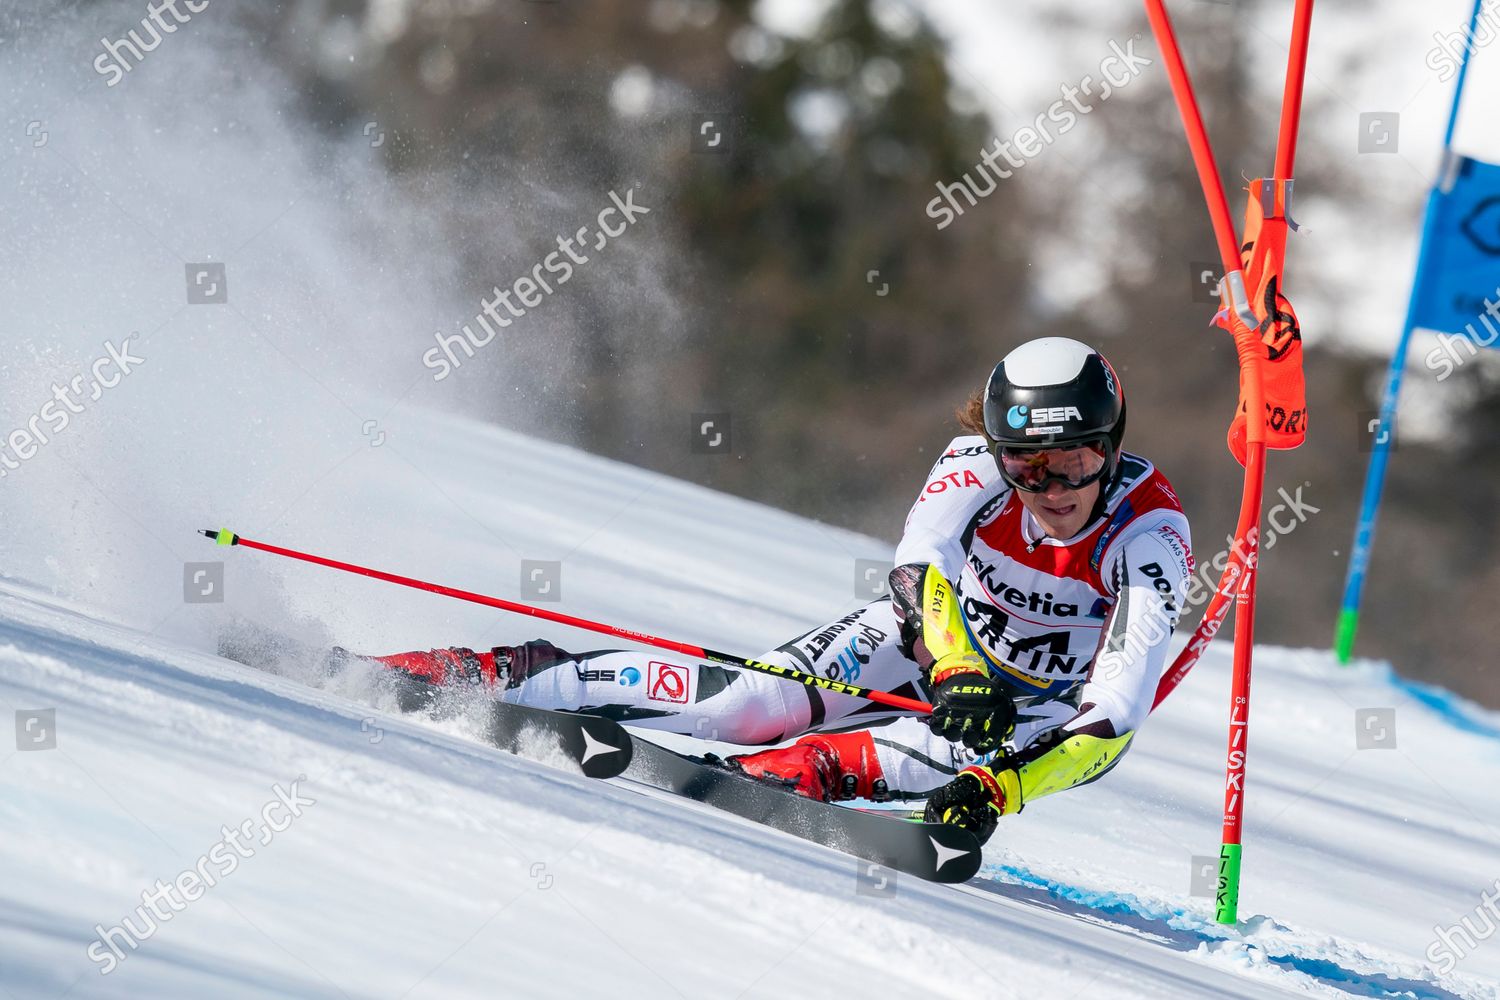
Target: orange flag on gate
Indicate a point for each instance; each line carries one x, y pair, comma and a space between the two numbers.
1262, 257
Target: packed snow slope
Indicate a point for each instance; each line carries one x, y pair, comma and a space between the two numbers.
400, 858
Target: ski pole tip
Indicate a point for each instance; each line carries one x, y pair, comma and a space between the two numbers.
221, 536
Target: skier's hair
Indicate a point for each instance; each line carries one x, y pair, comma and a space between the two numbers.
971, 414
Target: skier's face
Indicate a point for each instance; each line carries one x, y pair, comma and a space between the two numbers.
1061, 512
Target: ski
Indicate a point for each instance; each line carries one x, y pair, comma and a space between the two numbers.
599, 747
932, 851
602, 748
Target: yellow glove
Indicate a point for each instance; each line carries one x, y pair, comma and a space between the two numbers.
968, 707
977, 798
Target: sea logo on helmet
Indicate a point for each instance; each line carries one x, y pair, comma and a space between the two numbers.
1017, 416
1055, 414
1049, 419
629, 677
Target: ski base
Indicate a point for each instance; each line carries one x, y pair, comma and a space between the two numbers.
936, 852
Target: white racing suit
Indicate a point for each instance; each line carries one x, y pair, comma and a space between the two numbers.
1077, 629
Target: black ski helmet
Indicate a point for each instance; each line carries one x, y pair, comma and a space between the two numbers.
1055, 392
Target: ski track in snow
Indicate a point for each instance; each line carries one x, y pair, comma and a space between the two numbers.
431, 865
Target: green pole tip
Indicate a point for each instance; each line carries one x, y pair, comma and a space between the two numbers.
1227, 899
1343, 639
221, 536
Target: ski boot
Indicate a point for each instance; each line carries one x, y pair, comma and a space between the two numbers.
827, 767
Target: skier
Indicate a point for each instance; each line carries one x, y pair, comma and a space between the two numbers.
1035, 589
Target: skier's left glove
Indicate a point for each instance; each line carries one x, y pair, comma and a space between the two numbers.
968, 707
977, 798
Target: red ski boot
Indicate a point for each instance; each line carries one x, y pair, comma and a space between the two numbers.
826, 767
443, 666
506, 665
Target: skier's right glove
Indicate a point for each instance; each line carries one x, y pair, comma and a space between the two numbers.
968, 707
977, 798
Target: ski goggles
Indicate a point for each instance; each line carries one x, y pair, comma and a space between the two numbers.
1031, 469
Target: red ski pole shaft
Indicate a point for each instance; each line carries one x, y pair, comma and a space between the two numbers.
1203, 159
1197, 135
1250, 353
227, 537
1249, 348
1228, 894
1291, 100
1219, 605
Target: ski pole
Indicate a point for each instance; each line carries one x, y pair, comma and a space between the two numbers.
226, 537
1249, 349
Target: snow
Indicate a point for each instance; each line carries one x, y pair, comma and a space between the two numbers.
430, 865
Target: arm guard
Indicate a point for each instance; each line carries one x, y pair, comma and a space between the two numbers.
1076, 759
932, 625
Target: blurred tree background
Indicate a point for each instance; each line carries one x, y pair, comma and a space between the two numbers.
812, 298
